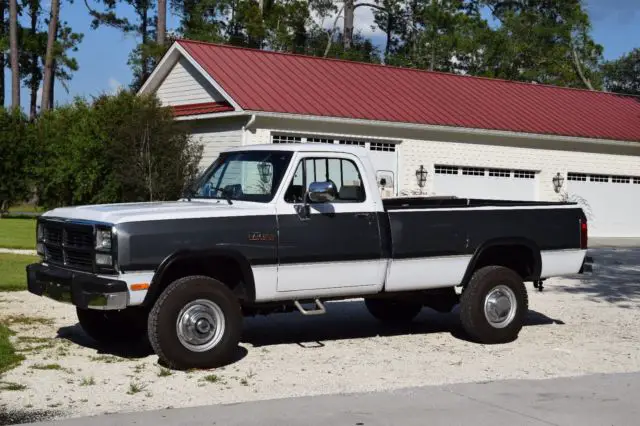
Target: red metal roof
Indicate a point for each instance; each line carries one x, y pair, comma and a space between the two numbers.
204, 108
258, 80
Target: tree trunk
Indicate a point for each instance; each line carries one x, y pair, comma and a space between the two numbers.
389, 27
3, 8
347, 37
161, 29
48, 64
34, 83
144, 31
13, 41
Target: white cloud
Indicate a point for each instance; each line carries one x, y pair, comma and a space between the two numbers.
363, 22
114, 85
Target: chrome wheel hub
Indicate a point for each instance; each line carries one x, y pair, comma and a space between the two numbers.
500, 306
200, 325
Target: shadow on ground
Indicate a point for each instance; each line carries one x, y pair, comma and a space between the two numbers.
130, 350
344, 320
14, 417
351, 320
615, 278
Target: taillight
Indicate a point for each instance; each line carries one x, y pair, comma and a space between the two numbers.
584, 234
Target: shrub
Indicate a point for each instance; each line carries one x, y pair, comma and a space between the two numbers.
120, 148
15, 158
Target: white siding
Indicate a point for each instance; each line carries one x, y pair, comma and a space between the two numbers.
184, 85
413, 153
216, 136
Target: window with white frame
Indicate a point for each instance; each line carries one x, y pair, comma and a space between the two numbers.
578, 177
524, 174
473, 171
381, 146
499, 173
286, 139
599, 178
446, 170
361, 144
620, 179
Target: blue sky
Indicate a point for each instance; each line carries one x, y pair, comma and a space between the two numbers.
103, 54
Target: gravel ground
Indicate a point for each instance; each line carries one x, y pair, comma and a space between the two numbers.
577, 326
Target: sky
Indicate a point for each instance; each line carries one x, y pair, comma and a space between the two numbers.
103, 53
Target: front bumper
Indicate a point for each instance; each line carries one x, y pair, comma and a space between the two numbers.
84, 290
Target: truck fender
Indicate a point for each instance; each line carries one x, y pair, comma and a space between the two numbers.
509, 241
155, 287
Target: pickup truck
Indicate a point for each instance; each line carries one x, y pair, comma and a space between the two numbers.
282, 228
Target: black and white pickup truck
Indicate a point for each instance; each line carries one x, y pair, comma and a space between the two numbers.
277, 228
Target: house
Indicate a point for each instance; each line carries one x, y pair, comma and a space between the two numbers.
427, 132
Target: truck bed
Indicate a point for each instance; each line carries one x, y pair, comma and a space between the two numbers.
455, 202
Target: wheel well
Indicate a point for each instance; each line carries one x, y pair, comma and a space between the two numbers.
520, 258
225, 269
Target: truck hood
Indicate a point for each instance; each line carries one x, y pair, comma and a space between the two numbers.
136, 212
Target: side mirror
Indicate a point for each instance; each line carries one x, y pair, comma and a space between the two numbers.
322, 192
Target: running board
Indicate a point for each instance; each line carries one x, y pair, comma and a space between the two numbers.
320, 311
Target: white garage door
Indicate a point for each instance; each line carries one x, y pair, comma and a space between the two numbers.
478, 182
612, 203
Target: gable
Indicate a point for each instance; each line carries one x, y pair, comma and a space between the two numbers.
184, 85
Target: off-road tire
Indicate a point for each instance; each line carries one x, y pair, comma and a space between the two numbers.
111, 327
472, 315
392, 311
162, 332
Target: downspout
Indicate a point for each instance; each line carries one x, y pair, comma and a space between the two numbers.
247, 127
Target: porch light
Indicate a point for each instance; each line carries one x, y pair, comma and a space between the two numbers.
421, 176
558, 181
265, 172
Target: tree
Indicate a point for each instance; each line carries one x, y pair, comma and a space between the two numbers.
14, 52
15, 152
543, 41
161, 25
33, 50
3, 48
623, 74
50, 57
118, 148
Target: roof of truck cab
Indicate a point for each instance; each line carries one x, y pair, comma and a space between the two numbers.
303, 147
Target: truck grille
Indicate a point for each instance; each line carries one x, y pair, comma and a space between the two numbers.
69, 245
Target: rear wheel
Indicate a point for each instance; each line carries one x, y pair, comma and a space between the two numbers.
113, 326
393, 311
494, 305
195, 323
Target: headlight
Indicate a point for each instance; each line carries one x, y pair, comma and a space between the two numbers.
104, 259
103, 239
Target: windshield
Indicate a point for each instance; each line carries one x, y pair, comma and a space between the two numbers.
245, 176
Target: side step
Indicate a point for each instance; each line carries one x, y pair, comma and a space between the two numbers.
320, 311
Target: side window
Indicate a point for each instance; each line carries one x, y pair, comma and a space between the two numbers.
342, 172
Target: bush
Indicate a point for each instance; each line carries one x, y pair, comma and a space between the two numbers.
121, 148
15, 158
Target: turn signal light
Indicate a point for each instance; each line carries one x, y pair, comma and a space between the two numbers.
140, 286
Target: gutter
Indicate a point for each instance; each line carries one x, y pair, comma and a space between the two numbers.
414, 127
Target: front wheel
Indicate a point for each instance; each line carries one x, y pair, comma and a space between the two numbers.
195, 323
393, 311
494, 305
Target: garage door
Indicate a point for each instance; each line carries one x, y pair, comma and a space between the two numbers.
612, 203
478, 182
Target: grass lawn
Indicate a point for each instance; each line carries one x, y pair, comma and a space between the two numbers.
13, 276
18, 233
26, 208
8, 356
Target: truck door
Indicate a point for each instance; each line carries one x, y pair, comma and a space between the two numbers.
338, 244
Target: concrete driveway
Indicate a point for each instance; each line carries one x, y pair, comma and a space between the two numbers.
590, 400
